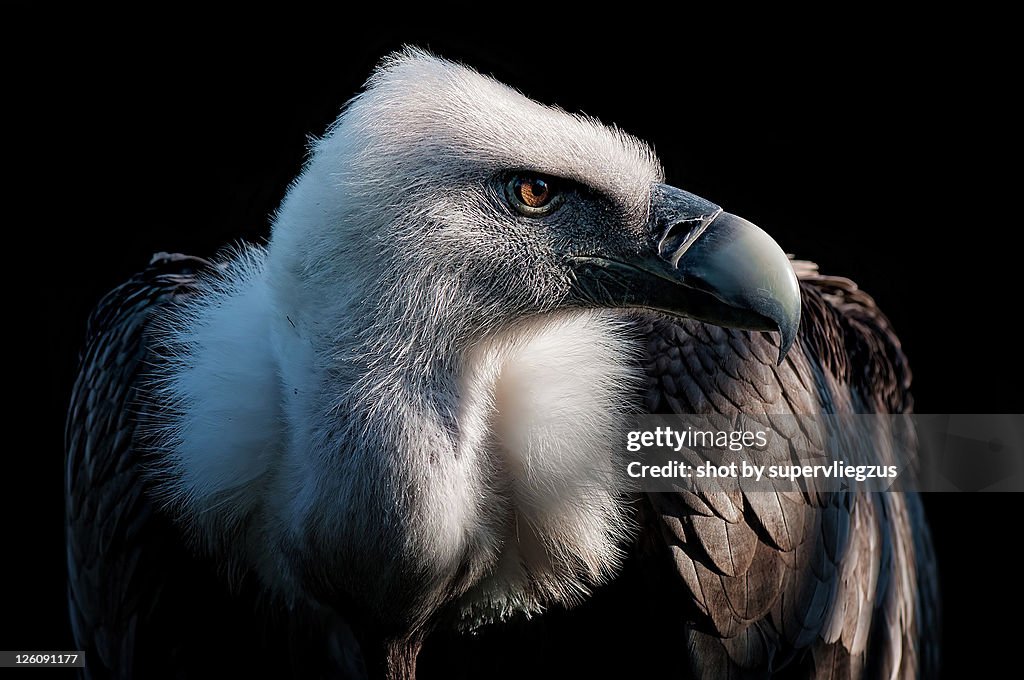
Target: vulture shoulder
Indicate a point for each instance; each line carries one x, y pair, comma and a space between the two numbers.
826, 585
142, 603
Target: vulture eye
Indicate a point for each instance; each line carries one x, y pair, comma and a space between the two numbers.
533, 195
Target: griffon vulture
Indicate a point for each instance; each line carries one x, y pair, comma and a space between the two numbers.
308, 458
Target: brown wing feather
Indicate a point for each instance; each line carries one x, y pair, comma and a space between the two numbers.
827, 585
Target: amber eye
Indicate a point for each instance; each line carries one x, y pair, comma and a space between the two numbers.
532, 195
534, 191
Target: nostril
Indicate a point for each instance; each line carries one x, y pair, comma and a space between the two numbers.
675, 236
678, 237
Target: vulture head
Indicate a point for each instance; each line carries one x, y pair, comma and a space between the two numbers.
407, 402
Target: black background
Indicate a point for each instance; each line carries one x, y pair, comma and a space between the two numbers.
872, 148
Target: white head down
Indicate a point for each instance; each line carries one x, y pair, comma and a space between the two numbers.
410, 400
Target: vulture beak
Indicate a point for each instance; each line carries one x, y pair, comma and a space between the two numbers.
699, 262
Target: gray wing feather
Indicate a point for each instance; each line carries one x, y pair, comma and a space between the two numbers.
109, 518
143, 604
